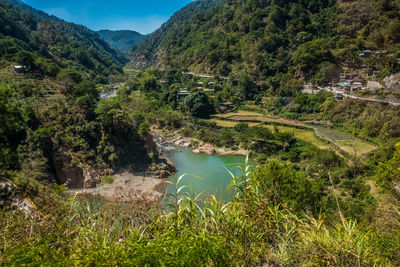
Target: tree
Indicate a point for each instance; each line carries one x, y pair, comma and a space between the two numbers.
13, 122
199, 105
388, 174
310, 54
147, 83
120, 142
282, 184
25, 58
247, 86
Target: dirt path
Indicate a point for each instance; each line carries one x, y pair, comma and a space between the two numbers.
332, 90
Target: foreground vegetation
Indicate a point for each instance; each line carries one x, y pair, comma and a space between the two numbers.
253, 229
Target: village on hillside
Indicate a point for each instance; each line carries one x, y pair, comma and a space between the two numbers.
361, 81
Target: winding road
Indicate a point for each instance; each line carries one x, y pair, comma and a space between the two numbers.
330, 89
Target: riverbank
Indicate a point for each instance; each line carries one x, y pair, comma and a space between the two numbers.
168, 141
129, 187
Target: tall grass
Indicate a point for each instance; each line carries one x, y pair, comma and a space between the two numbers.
248, 231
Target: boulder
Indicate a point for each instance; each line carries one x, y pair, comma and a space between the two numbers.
74, 176
392, 82
205, 149
164, 168
181, 141
90, 178
66, 173
10, 199
150, 144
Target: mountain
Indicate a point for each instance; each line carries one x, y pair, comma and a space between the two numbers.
275, 41
124, 40
150, 50
56, 98
51, 33
37, 13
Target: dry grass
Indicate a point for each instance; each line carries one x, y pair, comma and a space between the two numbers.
238, 113
333, 134
225, 123
301, 134
343, 140
259, 118
356, 147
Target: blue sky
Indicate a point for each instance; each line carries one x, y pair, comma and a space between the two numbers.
138, 15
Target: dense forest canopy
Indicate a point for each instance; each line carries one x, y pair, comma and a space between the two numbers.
52, 115
272, 40
44, 43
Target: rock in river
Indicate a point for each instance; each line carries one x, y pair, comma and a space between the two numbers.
205, 149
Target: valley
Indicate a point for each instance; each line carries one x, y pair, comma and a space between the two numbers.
238, 133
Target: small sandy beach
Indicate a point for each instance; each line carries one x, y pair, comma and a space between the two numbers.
128, 187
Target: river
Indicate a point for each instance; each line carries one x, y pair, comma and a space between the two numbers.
206, 174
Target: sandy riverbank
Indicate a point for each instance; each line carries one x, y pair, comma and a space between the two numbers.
128, 187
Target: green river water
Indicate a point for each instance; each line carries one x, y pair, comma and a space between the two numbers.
213, 178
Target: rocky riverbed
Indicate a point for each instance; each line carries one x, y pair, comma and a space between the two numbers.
174, 140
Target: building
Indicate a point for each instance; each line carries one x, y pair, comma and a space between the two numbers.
309, 89
339, 96
373, 85
183, 93
365, 54
356, 85
20, 69
344, 84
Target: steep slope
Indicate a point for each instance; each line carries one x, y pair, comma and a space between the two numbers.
56, 32
273, 38
54, 126
37, 13
150, 49
124, 41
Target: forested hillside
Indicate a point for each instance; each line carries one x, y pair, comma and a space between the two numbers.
124, 40
54, 127
276, 41
32, 38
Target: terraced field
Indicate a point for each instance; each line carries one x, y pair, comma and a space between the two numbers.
301, 134
302, 130
239, 113
356, 147
226, 123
